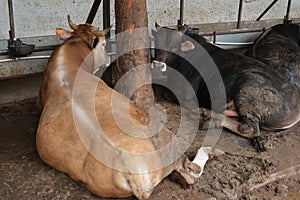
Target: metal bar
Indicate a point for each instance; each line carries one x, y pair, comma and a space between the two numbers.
239, 14
52, 47
267, 9
106, 14
181, 11
234, 43
40, 49
11, 20
3, 52
93, 11
45, 48
36, 49
180, 21
214, 36
287, 17
230, 32
106, 23
35, 57
24, 58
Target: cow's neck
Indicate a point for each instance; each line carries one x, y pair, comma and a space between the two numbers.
74, 54
66, 61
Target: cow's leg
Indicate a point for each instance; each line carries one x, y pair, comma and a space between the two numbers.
230, 110
213, 120
249, 110
244, 128
182, 167
181, 172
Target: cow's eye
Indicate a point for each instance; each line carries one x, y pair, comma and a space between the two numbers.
103, 44
95, 42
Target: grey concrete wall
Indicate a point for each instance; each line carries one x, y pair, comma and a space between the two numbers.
41, 17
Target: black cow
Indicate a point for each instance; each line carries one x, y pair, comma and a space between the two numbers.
261, 98
279, 47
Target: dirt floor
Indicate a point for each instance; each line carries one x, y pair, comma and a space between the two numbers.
240, 173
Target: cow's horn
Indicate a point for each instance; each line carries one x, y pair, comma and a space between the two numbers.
71, 23
102, 32
108, 29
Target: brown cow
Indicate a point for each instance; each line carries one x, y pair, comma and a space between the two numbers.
69, 138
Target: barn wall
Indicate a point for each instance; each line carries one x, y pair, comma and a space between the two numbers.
41, 17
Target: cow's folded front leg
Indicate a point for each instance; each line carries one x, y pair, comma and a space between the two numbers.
244, 128
183, 170
209, 119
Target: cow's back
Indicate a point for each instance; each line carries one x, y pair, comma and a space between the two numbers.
279, 48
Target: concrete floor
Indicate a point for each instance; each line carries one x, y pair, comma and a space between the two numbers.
19, 89
25, 176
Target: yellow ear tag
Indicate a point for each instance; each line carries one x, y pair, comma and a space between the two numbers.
59, 31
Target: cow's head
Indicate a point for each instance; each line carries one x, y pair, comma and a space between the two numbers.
169, 45
94, 38
291, 31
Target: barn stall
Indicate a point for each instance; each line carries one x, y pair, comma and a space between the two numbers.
240, 172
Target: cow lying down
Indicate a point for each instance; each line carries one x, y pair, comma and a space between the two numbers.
279, 47
78, 134
256, 93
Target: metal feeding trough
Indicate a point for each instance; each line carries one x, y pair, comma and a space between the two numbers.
16, 48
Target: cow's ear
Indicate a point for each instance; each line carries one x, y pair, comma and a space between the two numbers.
63, 34
187, 46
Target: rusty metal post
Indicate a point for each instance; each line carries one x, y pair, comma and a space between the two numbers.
239, 14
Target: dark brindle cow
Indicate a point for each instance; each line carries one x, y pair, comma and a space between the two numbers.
260, 97
279, 47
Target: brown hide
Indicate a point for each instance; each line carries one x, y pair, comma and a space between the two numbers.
61, 146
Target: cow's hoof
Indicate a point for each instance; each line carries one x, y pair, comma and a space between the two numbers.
178, 178
261, 143
195, 170
188, 178
183, 171
209, 119
245, 128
